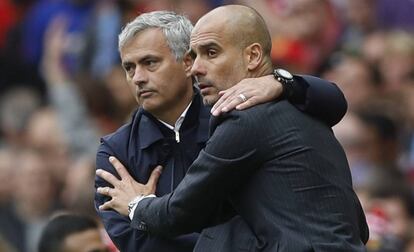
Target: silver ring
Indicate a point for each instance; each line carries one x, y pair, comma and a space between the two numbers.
242, 97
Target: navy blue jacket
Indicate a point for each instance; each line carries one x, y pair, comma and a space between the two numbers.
144, 143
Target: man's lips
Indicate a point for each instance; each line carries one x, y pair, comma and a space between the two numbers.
145, 92
203, 85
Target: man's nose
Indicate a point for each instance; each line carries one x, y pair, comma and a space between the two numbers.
198, 67
140, 76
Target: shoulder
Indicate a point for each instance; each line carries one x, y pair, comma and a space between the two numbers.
120, 137
253, 114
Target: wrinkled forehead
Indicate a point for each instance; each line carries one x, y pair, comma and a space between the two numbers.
208, 31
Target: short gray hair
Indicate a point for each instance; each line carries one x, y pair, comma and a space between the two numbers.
176, 28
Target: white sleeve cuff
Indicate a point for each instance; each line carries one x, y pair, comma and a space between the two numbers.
135, 201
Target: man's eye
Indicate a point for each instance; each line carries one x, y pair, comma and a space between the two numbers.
150, 62
129, 69
211, 53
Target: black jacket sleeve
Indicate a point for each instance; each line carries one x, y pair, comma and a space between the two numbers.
319, 98
231, 155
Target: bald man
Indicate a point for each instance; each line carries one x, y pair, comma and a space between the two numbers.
262, 183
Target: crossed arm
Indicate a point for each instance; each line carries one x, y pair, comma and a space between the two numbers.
118, 225
211, 187
319, 94
124, 189
322, 99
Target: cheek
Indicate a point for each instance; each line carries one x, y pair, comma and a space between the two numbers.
230, 75
171, 81
133, 90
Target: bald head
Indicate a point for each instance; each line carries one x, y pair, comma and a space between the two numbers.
244, 24
228, 44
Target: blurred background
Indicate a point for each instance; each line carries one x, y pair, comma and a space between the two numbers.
62, 88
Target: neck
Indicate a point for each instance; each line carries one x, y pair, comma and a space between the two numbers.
263, 69
172, 114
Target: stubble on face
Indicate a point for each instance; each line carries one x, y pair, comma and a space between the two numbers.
229, 77
159, 80
234, 30
218, 72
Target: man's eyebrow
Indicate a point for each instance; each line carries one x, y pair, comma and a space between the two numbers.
141, 59
148, 57
208, 44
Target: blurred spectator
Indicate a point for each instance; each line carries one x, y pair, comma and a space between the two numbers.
304, 32
104, 109
91, 29
152, 5
123, 97
373, 47
360, 19
5, 246
7, 174
397, 63
16, 107
371, 140
407, 102
381, 140
390, 215
350, 133
193, 9
33, 201
78, 189
409, 247
9, 16
355, 78
78, 129
69, 232
46, 137
101, 52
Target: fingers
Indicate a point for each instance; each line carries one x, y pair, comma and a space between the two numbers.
155, 175
247, 104
223, 98
232, 99
108, 177
229, 104
255, 90
104, 191
106, 206
119, 167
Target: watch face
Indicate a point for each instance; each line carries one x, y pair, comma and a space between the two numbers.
285, 74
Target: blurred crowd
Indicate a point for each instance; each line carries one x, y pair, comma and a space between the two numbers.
62, 88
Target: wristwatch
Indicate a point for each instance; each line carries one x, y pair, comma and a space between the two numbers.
286, 79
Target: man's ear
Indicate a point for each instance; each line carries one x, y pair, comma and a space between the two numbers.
254, 56
188, 63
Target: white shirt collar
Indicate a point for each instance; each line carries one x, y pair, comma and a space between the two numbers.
179, 121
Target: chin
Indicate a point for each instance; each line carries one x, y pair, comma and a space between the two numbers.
210, 100
150, 107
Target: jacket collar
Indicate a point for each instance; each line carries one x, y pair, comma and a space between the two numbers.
148, 128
